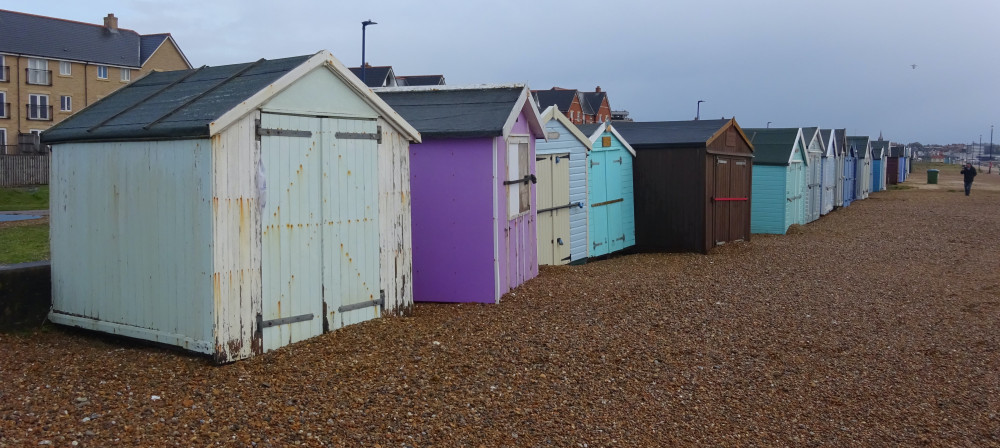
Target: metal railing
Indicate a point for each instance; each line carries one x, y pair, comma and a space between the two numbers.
5, 73
38, 112
38, 77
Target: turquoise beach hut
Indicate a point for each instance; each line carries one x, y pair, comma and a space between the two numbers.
610, 192
779, 179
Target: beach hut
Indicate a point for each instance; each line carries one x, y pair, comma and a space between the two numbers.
850, 172
692, 183
815, 148
611, 217
832, 170
880, 153
473, 185
231, 210
863, 152
561, 167
779, 179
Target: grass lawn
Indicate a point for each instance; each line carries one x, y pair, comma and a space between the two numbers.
24, 243
24, 198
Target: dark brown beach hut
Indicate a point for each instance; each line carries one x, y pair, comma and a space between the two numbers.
692, 183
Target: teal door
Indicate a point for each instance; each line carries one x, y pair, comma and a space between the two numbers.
597, 183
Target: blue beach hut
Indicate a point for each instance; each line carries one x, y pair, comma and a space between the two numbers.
561, 167
778, 192
611, 217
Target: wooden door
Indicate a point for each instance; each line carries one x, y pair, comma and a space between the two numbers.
319, 226
616, 199
597, 183
291, 244
543, 191
739, 188
553, 208
723, 200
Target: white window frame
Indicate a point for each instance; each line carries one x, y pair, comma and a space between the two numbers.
515, 207
65, 68
101, 68
38, 72
65, 103
3, 140
3, 105
126, 74
41, 110
3, 65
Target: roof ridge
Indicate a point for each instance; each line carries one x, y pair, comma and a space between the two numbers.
66, 20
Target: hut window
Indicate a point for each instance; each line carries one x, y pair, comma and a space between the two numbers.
518, 194
606, 141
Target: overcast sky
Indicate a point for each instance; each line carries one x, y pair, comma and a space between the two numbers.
830, 63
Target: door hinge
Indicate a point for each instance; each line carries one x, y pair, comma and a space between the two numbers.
279, 132
377, 136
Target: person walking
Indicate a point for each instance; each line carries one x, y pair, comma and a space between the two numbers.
969, 172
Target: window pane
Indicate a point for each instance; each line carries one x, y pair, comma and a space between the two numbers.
65, 68
126, 74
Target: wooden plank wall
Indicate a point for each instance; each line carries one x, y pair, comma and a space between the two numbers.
24, 169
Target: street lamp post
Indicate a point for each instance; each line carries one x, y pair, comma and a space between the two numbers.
363, 68
697, 115
769, 125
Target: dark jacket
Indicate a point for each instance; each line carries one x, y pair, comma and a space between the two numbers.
969, 173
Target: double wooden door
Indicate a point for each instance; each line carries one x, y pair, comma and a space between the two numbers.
319, 226
553, 208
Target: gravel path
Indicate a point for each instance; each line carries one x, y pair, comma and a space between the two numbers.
874, 326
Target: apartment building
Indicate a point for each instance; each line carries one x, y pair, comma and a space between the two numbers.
51, 68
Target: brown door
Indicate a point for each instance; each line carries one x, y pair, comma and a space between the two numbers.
721, 203
739, 187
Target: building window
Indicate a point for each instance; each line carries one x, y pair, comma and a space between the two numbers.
38, 107
65, 68
4, 70
102, 72
3, 141
65, 103
126, 74
518, 168
38, 72
4, 106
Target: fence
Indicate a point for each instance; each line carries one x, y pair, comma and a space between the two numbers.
24, 169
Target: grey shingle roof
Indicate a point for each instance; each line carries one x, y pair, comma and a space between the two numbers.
841, 136
860, 144
593, 100
455, 113
589, 128
156, 106
667, 134
421, 80
374, 76
880, 148
771, 146
561, 99
148, 43
52, 38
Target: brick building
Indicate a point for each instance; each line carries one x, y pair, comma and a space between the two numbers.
580, 107
51, 68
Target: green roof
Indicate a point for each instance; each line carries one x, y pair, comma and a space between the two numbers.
772, 146
171, 105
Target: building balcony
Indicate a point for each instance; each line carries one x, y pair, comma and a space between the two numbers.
5, 110
5, 73
37, 77
37, 112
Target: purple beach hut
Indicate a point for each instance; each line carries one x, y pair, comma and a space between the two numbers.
473, 192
